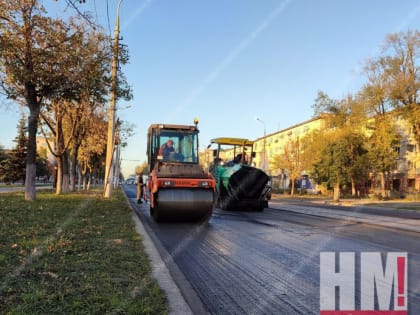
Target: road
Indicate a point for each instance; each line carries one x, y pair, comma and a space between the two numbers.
269, 262
16, 188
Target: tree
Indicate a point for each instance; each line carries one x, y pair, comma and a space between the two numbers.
54, 120
3, 154
329, 171
142, 168
12, 169
4, 166
343, 152
30, 70
383, 147
373, 94
402, 69
86, 119
290, 161
396, 77
332, 110
43, 166
357, 163
390, 91
88, 60
69, 115
91, 153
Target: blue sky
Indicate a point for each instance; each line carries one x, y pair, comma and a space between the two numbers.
229, 61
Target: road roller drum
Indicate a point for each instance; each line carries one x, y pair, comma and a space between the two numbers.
182, 205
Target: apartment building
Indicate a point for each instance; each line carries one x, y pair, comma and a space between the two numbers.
406, 175
405, 178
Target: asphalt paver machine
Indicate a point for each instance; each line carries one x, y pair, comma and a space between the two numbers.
239, 184
180, 190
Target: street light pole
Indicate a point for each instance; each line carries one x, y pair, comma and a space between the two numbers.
264, 147
116, 165
111, 115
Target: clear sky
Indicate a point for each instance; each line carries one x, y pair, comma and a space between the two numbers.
230, 61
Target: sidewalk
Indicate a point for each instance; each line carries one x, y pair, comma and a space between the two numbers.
384, 204
352, 212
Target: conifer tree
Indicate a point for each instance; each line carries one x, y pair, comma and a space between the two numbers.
13, 168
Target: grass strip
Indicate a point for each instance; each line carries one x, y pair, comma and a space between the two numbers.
73, 254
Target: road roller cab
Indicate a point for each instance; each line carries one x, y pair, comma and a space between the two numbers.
180, 190
239, 185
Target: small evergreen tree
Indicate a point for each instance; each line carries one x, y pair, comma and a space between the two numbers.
42, 164
3, 154
3, 158
13, 168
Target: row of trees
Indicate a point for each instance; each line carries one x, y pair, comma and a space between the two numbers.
361, 136
59, 70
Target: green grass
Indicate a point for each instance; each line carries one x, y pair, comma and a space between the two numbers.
73, 254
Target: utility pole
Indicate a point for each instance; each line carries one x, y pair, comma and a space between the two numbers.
117, 158
111, 115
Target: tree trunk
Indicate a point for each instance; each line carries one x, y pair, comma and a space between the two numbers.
30, 192
353, 188
79, 179
84, 182
74, 168
83, 173
336, 195
62, 158
89, 180
383, 184
66, 175
59, 181
73, 172
292, 190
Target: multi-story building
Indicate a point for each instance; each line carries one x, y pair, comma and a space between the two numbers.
406, 175
43, 150
404, 178
274, 143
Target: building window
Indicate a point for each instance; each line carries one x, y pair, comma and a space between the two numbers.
411, 147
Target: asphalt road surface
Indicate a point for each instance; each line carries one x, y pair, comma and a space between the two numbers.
269, 262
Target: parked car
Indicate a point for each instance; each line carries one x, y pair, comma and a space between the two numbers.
130, 181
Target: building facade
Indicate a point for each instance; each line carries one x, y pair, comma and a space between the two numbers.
405, 178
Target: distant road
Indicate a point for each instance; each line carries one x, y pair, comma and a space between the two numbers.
13, 188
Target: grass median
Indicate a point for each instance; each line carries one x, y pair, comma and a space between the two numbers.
73, 254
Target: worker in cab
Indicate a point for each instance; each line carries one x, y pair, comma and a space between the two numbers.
166, 149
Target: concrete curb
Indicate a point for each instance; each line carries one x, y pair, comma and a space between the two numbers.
177, 303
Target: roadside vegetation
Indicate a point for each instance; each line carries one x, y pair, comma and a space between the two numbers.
73, 254
59, 69
362, 146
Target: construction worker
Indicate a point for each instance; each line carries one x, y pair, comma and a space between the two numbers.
140, 185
